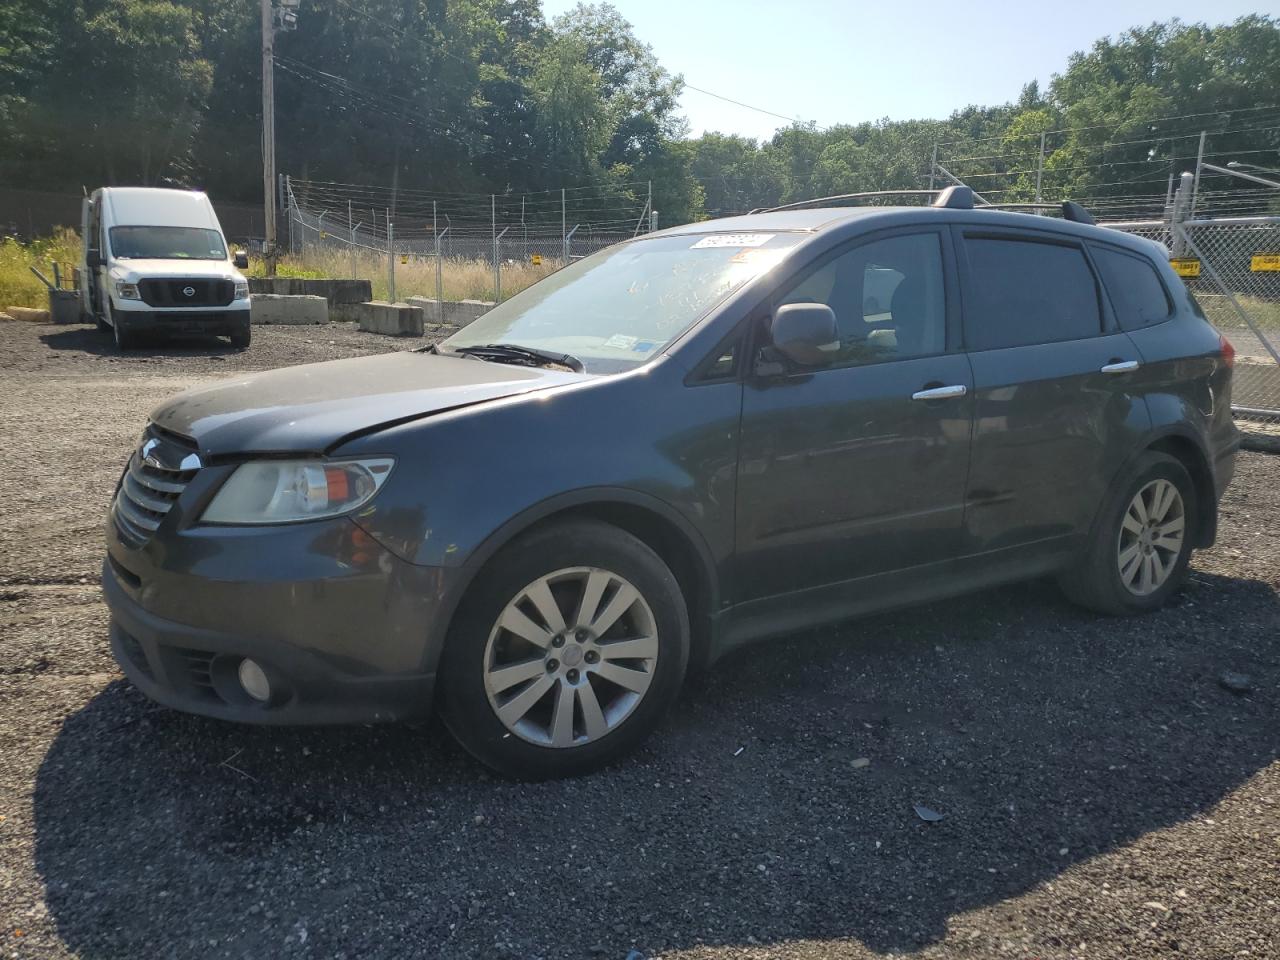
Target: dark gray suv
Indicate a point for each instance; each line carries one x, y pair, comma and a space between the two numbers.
685, 442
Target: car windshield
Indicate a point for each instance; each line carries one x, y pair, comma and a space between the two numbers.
617, 308
167, 243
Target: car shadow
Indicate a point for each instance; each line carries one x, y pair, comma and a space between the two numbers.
90, 340
1043, 735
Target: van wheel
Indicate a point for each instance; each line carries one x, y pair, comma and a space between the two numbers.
1140, 547
566, 652
125, 339
101, 323
240, 336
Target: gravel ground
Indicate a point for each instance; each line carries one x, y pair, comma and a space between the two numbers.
1103, 795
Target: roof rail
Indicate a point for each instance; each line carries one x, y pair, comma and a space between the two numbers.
1069, 208
820, 201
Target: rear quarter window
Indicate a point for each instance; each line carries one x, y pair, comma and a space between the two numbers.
1137, 293
1024, 292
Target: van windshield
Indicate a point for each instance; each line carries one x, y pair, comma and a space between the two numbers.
167, 243
617, 308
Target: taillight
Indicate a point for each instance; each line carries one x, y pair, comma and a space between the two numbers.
1228, 351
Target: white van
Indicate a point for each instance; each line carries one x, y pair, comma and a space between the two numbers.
155, 261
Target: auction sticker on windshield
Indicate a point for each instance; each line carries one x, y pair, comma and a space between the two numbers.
733, 240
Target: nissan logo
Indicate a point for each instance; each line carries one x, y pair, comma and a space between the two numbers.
188, 291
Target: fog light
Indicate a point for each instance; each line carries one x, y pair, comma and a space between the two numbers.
254, 680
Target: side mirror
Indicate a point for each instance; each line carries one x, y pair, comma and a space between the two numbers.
93, 259
805, 333
241, 260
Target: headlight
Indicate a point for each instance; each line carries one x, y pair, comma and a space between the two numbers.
127, 291
287, 491
242, 290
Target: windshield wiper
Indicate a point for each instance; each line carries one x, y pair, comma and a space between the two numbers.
527, 356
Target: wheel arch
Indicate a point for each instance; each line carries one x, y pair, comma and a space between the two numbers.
1188, 451
652, 521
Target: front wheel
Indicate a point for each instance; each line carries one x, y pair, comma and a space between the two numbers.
125, 339
566, 654
241, 335
1140, 547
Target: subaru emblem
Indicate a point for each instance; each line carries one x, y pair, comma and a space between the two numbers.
188, 291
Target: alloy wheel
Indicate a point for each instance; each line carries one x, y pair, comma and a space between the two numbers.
1151, 537
570, 657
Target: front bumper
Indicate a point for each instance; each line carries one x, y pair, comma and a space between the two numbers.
343, 635
137, 317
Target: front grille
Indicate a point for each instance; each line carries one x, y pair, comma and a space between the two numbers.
158, 473
172, 292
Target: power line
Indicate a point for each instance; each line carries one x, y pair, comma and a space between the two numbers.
739, 103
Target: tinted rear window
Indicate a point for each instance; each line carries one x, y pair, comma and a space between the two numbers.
1025, 292
1138, 296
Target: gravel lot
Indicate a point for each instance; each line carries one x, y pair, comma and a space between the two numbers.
1104, 796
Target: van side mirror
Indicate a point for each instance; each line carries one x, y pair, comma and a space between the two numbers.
241, 260
805, 333
93, 259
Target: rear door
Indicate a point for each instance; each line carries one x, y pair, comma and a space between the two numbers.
1055, 407
850, 470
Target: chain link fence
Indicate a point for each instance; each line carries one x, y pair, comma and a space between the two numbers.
466, 254
1232, 265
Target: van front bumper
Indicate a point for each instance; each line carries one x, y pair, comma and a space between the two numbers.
337, 644
220, 322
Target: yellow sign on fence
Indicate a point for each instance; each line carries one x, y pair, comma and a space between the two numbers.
1185, 267
536, 259
1265, 263
404, 258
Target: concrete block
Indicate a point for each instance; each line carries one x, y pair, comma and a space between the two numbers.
461, 312
30, 314
277, 309
430, 308
345, 312
393, 319
334, 291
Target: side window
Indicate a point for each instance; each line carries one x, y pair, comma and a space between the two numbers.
1024, 292
1136, 292
888, 298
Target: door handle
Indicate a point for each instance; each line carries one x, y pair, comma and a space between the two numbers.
1121, 366
941, 393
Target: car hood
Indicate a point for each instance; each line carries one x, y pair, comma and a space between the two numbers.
131, 271
313, 407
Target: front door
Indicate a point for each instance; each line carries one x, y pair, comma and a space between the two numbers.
858, 467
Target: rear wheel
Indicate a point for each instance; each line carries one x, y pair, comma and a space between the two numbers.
1141, 545
566, 653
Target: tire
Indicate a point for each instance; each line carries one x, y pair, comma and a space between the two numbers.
125, 339
563, 564
1106, 579
240, 337
103, 326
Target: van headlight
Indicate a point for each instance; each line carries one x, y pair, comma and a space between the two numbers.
289, 491
127, 291
242, 290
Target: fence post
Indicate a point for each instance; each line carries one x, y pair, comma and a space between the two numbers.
1195, 187
568, 241
493, 233
497, 265
564, 237
391, 259
354, 275
1181, 208
933, 165
440, 273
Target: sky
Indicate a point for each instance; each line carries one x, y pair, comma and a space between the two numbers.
844, 62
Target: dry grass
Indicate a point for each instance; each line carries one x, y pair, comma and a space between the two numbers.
18, 286
415, 276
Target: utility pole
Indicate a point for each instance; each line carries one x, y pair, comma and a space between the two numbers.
1195, 188
269, 136
288, 21
1040, 168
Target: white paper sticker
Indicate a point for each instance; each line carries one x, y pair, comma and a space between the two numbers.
733, 240
620, 341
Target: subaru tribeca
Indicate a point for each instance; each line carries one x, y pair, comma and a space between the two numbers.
688, 441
